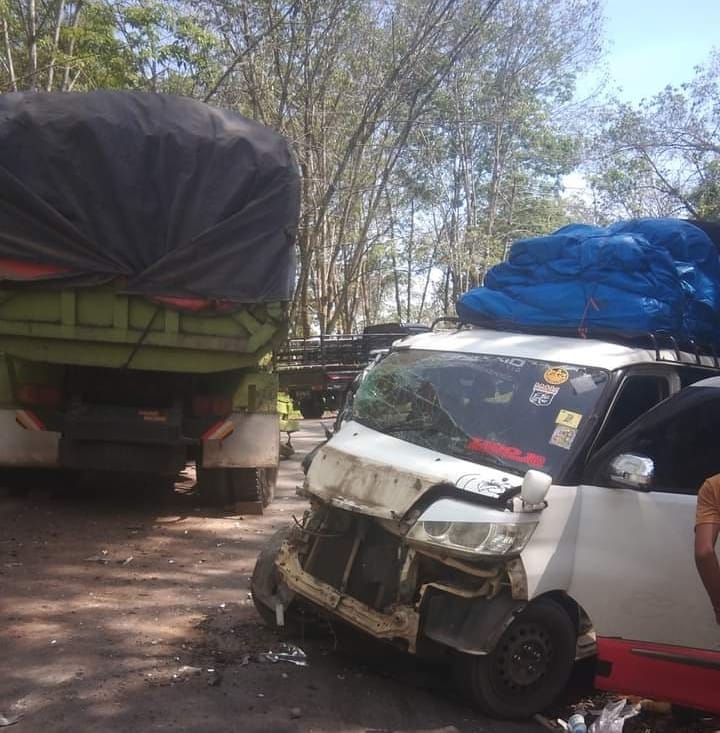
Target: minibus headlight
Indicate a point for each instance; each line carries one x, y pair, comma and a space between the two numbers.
503, 535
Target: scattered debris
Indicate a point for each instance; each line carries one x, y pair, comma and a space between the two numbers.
576, 722
613, 717
214, 677
186, 670
286, 653
97, 558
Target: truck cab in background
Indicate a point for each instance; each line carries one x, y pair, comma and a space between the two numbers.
318, 371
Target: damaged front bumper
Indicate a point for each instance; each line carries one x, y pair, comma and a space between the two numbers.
401, 624
363, 573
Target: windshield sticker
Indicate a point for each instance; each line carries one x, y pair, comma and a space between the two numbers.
568, 418
583, 383
563, 437
511, 452
556, 375
543, 394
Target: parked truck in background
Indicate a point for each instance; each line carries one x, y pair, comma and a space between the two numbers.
316, 372
146, 259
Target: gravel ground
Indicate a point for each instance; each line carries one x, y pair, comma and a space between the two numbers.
127, 608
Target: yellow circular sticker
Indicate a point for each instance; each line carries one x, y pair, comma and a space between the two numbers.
556, 375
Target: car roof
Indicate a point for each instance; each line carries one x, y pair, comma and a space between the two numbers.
558, 349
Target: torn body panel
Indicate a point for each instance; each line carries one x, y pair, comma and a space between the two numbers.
352, 472
400, 624
353, 568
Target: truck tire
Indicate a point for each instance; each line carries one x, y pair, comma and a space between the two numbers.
228, 486
528, 668
312, 408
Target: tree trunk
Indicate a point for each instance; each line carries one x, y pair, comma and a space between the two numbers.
9, 56
32, 44
71, 46
56, 42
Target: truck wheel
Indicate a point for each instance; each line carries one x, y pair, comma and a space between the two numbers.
528, 668
312, 408
265, 578
226, 486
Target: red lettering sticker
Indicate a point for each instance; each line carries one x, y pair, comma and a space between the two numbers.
511, 452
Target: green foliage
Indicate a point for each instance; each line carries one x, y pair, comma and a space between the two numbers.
661, 157
430, 134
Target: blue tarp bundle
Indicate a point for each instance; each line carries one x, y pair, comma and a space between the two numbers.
635, 277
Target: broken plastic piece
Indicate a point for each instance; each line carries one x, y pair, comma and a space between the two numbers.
6, 720
287, 653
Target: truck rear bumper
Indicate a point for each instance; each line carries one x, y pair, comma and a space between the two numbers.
241, 441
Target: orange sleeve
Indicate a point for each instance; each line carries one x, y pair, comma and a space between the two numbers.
708, 502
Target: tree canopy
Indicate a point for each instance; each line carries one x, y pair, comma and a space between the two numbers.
430, 133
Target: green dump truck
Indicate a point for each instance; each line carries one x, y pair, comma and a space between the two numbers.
146, 261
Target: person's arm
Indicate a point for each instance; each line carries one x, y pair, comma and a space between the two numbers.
707, 563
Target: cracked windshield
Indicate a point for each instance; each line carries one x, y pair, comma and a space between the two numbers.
506, 412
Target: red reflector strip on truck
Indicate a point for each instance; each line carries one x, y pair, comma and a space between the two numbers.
28, 420
39, 395
195, 305
18, 270
220, 430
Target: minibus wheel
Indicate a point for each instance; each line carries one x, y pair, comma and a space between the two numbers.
528, 668
265, 581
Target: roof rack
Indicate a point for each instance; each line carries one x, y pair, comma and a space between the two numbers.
446, 319
661, 343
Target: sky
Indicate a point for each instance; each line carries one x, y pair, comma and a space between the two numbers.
652, 43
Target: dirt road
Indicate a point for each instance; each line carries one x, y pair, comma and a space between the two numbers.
125, 609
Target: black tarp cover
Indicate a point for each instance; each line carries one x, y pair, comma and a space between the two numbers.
182, 199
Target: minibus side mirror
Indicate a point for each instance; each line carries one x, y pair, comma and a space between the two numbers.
632, 471
535, 487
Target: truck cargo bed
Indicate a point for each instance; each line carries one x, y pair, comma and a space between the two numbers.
103, 327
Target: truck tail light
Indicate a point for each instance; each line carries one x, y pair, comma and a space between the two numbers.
206, 406
40, 395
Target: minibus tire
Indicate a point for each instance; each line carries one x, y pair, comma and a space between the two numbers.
265, 577
529, 667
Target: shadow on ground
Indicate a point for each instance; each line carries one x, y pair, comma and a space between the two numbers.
126, 607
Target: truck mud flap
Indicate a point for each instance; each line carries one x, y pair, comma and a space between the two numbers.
25, 442
243, 441
110, 437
